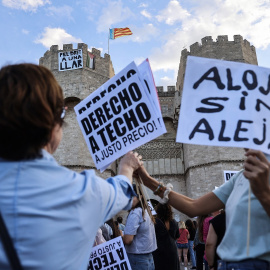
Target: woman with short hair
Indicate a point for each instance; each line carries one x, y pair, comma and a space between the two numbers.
49, 210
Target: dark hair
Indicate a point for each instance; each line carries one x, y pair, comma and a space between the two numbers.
120, 219
195, 224
117, 230
31, 103
189, 224
164, 212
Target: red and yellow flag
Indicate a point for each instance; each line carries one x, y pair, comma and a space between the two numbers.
119, 32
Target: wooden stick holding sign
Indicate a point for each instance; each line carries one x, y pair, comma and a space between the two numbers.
142, 198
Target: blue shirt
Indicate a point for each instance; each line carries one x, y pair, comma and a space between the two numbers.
143, 229
233, 247
53, 213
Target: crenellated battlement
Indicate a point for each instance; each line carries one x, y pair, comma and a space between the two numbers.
102, 64
171, 88
222, 40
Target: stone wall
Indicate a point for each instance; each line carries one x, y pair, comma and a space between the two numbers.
192, 169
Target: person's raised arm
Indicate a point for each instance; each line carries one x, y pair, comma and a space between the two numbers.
191, 207
257, 171
130, 163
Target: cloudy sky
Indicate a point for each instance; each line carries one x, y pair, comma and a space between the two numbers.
161, 29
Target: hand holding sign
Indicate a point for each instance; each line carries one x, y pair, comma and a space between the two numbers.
130, 163
224, 104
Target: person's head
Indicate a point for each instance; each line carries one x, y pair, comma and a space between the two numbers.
182, 225
119, 219
164, 212
189, 224
31, 106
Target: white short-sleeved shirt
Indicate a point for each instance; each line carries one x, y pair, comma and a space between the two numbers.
143, 229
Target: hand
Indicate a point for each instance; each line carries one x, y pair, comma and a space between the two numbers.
143, 174
257, 171
130, 163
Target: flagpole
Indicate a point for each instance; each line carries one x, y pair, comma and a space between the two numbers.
109, 42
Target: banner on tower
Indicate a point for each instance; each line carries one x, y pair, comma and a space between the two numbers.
68, 60
121, 115
225, 104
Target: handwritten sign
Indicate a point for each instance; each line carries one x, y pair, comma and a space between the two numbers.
70, 60
152, 209
120, 116
109, 255
225, 104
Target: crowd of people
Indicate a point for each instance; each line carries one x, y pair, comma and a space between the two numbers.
52, 216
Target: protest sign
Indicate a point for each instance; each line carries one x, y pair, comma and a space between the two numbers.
228, 175
70, 60
110, 255
119, 116
152, 209
225, 104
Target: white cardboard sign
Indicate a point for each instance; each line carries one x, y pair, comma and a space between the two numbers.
119, 116
225, 104
109, 255
70, 60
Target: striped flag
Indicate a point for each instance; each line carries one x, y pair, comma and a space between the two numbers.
119, 32
90, 61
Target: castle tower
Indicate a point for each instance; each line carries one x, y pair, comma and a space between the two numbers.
77, 80
204, 165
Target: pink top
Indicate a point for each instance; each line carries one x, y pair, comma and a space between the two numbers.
183, 239
206, 225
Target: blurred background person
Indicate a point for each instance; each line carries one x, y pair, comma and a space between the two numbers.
182, 243
121, 225
192, 231
215, 235
167, 232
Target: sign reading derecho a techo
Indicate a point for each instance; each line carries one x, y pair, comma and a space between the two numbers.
225, 104
109, 255
121, 115
69, 60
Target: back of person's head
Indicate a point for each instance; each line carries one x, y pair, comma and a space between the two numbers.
31, 104
164, 212
182, 225
120, 219
189, 224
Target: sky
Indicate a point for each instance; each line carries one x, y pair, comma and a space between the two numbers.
161, 29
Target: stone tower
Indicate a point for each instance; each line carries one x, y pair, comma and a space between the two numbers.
204, 165
77, 84
192, 169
